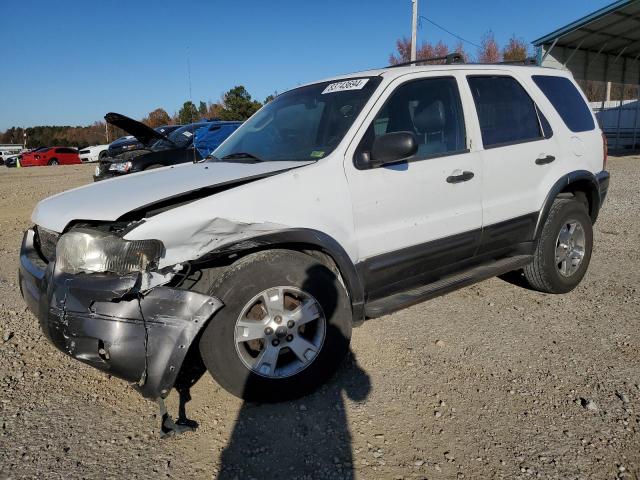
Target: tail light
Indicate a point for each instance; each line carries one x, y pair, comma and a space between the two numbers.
605, 151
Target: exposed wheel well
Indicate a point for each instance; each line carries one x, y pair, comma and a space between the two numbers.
204, 274
585, 192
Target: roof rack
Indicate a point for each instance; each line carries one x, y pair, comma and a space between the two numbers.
526, 61
449, 59
454, 58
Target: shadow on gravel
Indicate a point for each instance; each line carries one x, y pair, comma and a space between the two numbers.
516, 278
305, 438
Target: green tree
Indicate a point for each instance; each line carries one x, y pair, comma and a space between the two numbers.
238, 105
202, 109
188, 113
270, 97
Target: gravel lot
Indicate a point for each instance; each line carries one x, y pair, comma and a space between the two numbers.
492, 381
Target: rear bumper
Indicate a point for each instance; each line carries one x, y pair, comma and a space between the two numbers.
103, 320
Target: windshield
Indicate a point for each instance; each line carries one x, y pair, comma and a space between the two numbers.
303, 124
180, 138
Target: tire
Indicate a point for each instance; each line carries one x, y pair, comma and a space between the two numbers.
155, 165
238, 287
53, 162
102, 155
546, 273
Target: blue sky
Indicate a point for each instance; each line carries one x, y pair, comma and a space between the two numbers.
68, 62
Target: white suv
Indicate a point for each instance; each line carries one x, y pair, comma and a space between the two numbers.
338, 201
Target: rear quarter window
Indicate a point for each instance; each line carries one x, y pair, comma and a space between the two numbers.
567, 101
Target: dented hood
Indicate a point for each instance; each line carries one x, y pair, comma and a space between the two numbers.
108, 200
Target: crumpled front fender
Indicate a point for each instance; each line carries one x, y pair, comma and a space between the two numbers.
107, 322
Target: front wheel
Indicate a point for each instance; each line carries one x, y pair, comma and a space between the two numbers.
564, 249
284, 330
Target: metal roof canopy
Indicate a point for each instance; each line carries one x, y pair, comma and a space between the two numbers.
604, 45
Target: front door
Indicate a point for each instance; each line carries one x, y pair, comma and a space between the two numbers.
416, 217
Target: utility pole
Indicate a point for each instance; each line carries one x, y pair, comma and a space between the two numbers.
414, 29
106, 131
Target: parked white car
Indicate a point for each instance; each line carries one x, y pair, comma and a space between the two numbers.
93, 154
338, 201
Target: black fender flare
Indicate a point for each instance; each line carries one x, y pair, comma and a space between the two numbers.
584, 177
301, 238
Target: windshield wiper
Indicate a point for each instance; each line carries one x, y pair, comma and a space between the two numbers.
242, 155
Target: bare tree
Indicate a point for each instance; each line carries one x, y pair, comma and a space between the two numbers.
425, 50
516, 50
157, 118
459, 49
489, 51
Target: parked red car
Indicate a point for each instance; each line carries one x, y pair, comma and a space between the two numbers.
50, 156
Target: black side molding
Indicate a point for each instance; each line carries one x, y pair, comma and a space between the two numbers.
587, 182
445, 285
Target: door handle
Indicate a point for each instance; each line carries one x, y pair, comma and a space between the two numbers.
463, 177
544, 160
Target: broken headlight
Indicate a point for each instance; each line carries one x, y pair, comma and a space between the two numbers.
122, 167
90, 251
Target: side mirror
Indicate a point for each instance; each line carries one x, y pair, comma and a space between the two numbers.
389, 148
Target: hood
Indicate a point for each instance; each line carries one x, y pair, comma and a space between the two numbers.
109, 200
145, 134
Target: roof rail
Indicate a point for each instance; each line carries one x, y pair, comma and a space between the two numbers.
449, 59
526, 61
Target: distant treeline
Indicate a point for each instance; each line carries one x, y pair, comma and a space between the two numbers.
58, 135
236, 104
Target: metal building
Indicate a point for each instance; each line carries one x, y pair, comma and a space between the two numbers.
604, 47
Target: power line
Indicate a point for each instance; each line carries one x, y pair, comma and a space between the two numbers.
449, 32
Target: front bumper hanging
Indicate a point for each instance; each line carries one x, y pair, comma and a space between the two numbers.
105, 321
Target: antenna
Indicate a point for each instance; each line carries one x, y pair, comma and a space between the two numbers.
193, 137
189, 74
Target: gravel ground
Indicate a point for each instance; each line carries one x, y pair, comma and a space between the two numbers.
492, 381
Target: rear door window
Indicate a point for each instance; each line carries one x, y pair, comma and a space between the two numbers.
567, 101
506, 112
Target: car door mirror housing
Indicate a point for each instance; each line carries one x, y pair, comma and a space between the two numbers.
389, 148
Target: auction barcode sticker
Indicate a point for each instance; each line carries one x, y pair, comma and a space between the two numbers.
355, 84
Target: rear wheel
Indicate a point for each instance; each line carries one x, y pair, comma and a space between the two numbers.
564, 249
284, 330
53, 162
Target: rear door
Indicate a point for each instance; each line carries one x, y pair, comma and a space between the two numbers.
519, 153
416, 217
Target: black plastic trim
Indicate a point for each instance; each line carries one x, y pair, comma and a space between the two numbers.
299, 238
508, 233
583, 176
385, 274
445, 285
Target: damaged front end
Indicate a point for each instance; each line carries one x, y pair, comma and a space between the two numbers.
131, 324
